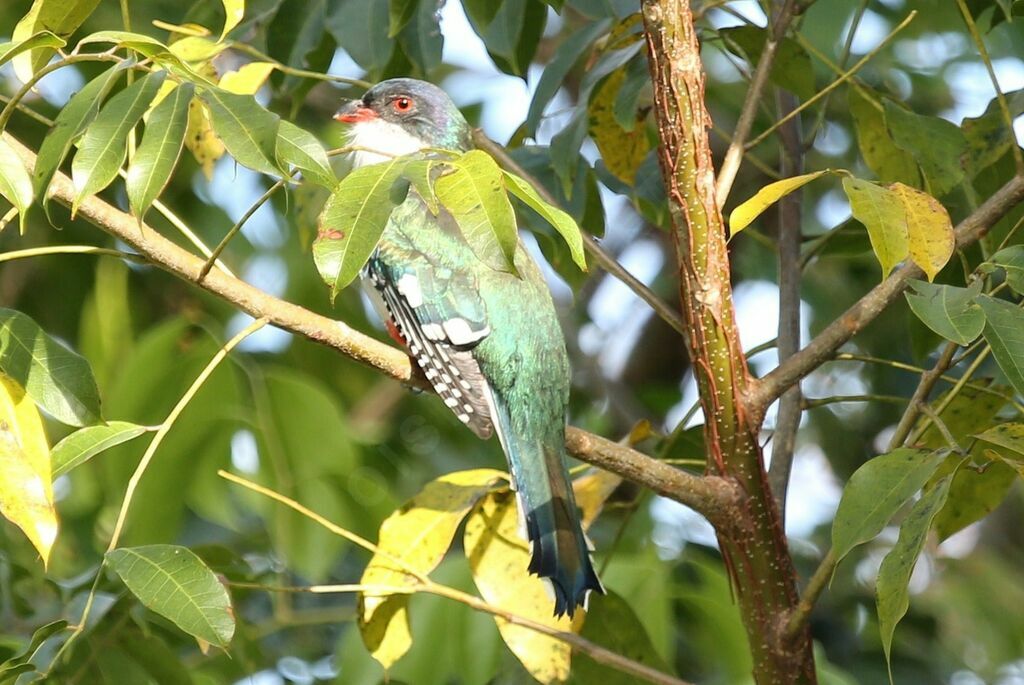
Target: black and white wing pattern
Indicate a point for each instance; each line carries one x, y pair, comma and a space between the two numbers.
441, 317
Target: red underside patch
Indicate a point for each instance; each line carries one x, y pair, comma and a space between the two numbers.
395, 335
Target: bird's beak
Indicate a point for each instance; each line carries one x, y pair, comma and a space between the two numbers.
353, 112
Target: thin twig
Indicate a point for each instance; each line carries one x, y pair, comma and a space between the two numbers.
802, 613
605, 260
947, 434
835, 84
950, 396
734, 155
8, 110
924, 388
1004, 108
815, 402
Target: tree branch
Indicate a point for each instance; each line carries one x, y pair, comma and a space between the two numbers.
708, 496
865, 310
790, 224
607, 262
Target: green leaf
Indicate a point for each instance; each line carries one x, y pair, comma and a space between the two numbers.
421, 174
417, 535
882, 213
1011, 260
973, 493
41, 635
930, 235
474, 194
154, 161
876, 491
792, 68
61, 17
234, 11
970, 410
988, 136
566, 57
559, 220
26, 494
512, 34
300, 148
400, 13
1009, 437
15, 184
248, 131
57, 379
72, 121
151, 48
481, 12
1004, 332
175, 583
638, 77
938, 146
891, 588
103, 147
746, 212
85, 443
293, 36
613, 624
422, 39
43, 39
948, 310
889, 162
361, 28
498, 558
622, 151
352, 222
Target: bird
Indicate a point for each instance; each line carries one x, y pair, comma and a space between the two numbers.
489, 342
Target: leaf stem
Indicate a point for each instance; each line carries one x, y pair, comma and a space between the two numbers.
303, 73
8, 110
215, 254
168, 423
70, 249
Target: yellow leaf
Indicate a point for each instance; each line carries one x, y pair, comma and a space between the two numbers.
622, 151
746, 212
881, 211
499, 558
415, 536
929, 229
234, 10
248, 79
200, 139
196, 49
26, 494
592, 491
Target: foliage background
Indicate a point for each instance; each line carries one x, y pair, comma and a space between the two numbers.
354, 446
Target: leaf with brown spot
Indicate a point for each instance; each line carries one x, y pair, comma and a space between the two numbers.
929, 230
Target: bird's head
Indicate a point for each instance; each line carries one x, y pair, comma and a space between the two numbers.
401, 116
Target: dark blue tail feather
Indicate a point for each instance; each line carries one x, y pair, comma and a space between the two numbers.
559, 549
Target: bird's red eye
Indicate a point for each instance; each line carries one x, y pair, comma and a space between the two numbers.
402, 104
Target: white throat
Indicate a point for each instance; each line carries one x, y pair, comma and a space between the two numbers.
383, 141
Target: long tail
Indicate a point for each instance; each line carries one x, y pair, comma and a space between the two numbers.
558, 547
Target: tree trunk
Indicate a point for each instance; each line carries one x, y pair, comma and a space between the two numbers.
752, 542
